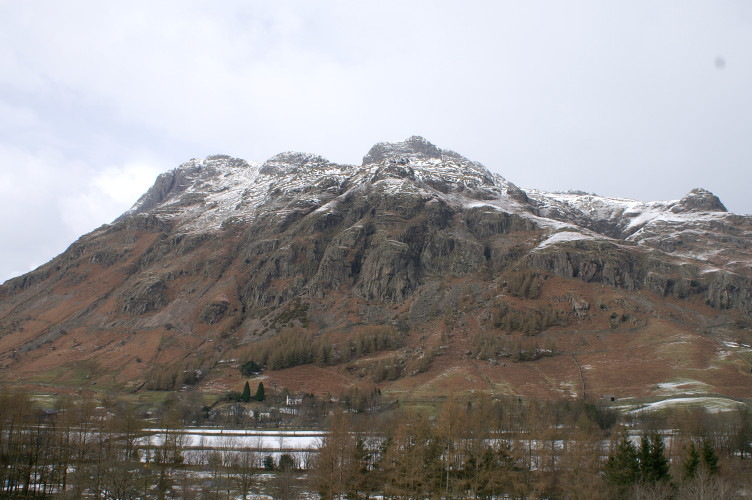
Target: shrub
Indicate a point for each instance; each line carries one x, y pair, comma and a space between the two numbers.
250, 368
286, 462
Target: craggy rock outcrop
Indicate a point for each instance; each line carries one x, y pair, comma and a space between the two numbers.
456, 253
28, 280
609, 265
592, 263
342, 260
729, 291
400, 151
699, 200
214, 311
680, 287
390, 272
484, 222
145, 295
291, 162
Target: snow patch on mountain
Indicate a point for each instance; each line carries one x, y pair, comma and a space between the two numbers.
564, 237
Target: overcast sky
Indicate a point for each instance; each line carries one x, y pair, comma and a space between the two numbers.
644, 100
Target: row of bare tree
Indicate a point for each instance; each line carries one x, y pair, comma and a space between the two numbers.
77, 449
485, 448
473, 447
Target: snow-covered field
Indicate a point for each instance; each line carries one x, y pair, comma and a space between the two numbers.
683, 386
199, 445
262, 440
711, 404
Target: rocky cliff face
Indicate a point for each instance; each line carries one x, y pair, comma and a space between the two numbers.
219, 246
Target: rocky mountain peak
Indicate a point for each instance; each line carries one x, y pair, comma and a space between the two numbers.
172, 184
414, 147
290, 161
699, 200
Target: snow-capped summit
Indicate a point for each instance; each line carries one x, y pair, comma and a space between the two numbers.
204, 195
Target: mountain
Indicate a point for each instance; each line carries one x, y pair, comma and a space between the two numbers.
418, 271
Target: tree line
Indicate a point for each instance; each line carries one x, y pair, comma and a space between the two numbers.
87, 448
485, 448
477, 446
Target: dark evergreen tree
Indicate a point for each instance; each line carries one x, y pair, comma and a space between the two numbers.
246, 395
644, 458
260, 396
653, 462
691, 461
286, 462
709, 457
622, 468
658, 461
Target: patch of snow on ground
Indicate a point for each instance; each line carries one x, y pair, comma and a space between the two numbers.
713, 405
735, 345
683, 386
564, 237
260, 441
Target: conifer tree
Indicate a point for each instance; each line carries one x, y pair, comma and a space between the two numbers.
246, 395
658, 461
709, 457
260, 396
622, 468
653, 462
691, 461
644, 457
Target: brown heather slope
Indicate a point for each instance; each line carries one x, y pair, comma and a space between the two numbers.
467, 283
